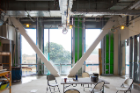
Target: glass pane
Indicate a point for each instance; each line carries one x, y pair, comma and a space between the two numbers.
57, 67
91, 35
58, 49
60, 46
28, 54
28, 70
127, 69
46, 43
138, 50
127, 58
92, 69
127, 54
65, 69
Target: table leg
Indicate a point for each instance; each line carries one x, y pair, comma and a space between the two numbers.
63, 87
103, 90
10, 81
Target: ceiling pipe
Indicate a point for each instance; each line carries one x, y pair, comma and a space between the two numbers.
106, 12
65, 9
59, 19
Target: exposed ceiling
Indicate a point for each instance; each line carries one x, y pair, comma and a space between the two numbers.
65, 8
88, 8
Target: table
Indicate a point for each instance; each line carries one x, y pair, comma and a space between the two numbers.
4, 73
81, 81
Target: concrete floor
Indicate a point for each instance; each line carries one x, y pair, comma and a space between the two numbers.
38, 84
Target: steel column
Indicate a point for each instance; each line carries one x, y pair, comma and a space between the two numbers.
40, 44
83, 42
119, 55
131, 58
139, 61
135, 75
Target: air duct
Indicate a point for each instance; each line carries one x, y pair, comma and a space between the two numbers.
65, 8
107, 12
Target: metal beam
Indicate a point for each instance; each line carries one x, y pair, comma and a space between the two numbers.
59, 19
53, 23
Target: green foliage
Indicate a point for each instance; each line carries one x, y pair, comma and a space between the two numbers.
57, 53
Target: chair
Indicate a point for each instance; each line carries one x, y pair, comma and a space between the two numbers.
84, 75
126, 86
51, 78
99, 87
72, 91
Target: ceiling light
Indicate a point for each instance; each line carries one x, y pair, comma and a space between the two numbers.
122, 27
27, 25
70, 26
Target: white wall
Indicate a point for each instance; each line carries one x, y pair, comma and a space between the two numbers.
132, 30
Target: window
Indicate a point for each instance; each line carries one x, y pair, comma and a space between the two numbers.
92, 62
127, 59
57, 49
28, 54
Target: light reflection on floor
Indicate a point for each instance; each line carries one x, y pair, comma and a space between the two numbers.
28, 79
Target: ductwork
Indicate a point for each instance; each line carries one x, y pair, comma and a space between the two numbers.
65, 8
107, 12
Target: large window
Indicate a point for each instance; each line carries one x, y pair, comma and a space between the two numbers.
92, 62
28, 54
127, 59
57, 49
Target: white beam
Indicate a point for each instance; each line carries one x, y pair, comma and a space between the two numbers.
112, 22
21, 29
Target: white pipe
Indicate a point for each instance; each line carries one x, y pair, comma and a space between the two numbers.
21, 29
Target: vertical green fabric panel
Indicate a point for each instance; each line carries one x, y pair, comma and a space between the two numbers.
111, 69
78, 35
107, 69
107, 49
107, 54
76, 39
111, 53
